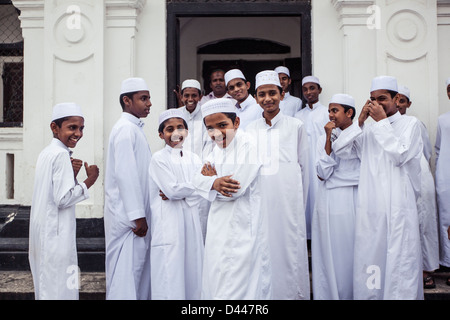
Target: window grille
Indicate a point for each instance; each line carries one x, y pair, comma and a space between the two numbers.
11, 67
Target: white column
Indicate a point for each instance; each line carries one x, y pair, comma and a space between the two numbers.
443, 14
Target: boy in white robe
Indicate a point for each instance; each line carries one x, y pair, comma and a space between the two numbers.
52, 240
246, 107
315, 116
236, 259
177, 241
333, 223
289, 104
442, 149
127, 201
426, 203
283, 148
388, 256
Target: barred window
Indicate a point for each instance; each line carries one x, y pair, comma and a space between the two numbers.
11, 67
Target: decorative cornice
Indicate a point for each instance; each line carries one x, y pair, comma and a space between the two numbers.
353, 12
31, 13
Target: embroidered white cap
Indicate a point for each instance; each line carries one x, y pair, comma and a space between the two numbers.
191, 83
171, 113
133, 85
282, 69
223, 105
312, 79
384, 83
343, 99
66, 109
404, 91
267, 77
233, 74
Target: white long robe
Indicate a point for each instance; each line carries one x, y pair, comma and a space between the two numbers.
314, 119
248, 111
290, 105
127, 199
52, 241
198, 142
427, 208
177, 241
442, 148
388, 257
283, 147
333, 223
236, 260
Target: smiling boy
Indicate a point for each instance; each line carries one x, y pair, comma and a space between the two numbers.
289, 105
236, 260
246, 107
314, 115
52, 240
283, 148
333, 223
127, 204
177, 240
388, 257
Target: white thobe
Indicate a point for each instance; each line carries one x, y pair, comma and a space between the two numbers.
52, 240
333, 222
127, 199
315, 120
177, 241
211, 96
248, 111
283, 148
388, 257
198, 142
290, 105
236, 260
427, 208
442, 148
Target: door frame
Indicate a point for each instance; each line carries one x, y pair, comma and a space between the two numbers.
180, 9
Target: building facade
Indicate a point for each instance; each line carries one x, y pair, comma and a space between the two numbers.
81, 50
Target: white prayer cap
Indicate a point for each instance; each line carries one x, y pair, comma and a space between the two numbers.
310, 79
66, 109
384, 83
191, 83
343, 99
448, 82
404, 91
282, 69
133, 85
171, 113
233, 74
223, 105
267, 77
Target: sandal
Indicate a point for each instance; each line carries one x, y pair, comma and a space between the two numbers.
428, 282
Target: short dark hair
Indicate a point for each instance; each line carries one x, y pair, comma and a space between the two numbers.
127, 94
60, 121
392, 93
347, 107
163, 125
230, 115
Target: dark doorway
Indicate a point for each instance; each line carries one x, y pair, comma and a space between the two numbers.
177, 9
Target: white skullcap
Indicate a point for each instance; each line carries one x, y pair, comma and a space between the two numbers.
66, 109
171, 113
133, 85
282, 69
404, 91
448, 82
384, 83
223, 105
343, 99
310, 79
233, 74
267, 77
191, 83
